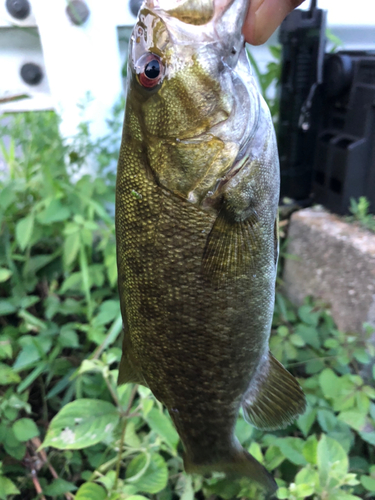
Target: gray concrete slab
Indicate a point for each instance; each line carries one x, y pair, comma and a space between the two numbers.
335, 262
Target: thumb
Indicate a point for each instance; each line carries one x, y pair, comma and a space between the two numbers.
264, 16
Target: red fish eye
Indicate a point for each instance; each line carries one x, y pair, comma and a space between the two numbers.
149, 69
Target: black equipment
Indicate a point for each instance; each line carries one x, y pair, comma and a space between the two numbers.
326, 131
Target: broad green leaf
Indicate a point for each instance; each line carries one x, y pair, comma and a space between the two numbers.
91, 491
282, 493
256, 451
24, 230
6, 307
25, 429
341, 495
292, 448
332, 459
8, 376
136, 497
108, 311
6, 351
82, 423
243, 430
306, 420
308, 315
71, 247
7, 196
354, 419
5, 274
368, 483
307, 476
273, 457
151, 477
7, 488
188, 491
163, 426
54, 212
131, 437
310, 450
369, 437
329, 382
12, 446
327, 420
58, 487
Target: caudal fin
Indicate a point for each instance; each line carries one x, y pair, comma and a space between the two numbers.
240, 464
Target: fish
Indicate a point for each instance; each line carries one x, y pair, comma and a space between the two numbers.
197, 195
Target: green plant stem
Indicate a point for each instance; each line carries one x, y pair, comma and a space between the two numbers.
119, 457
122, 439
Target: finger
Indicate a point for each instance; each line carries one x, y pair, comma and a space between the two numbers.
264, 16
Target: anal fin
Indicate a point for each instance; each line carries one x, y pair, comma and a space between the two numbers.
274, 398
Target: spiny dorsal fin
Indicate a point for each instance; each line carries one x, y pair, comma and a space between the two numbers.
231, 247
274, 398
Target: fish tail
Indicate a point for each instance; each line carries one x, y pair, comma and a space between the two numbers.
238, 464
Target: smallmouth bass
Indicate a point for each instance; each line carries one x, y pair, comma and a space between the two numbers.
196, 227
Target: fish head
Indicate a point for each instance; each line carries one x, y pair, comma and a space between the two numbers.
191, 92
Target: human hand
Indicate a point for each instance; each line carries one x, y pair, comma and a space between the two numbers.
264, 16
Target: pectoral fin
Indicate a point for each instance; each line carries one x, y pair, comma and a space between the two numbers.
274, 398
231, 247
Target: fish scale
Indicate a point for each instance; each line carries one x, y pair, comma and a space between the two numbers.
196, 210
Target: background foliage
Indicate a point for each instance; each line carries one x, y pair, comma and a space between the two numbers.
60, 348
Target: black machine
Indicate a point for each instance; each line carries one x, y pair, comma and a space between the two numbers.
326, 131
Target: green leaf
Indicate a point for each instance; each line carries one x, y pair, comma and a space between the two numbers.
308, 315
54, 212
91, 491
292, 448
24, 230
25, 429
7, 375
309, 334
341, 495
329, 382
368, 483
136, 497
297, 340
7, 487
58, 487
162, 425
5, 274
108, 311
310, 450
6, 351
150, 476
332, 459
82, 423
327, 420
243, 430
369, 437
71, 247
306, 420
34, 264
6, 307
354, 419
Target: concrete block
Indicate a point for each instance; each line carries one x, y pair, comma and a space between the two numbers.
335, 262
